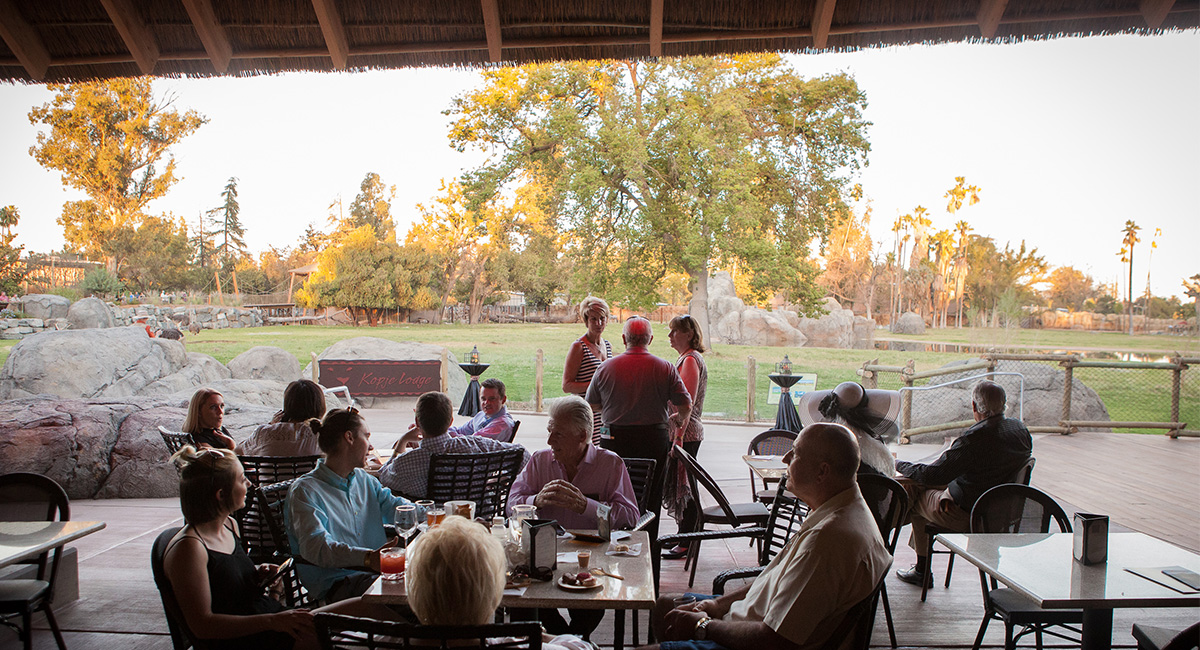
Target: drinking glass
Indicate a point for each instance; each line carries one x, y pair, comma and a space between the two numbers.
406, 521
520, 512
434, 515
422, 506
391, 563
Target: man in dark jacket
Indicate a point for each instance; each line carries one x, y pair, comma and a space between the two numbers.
986, 455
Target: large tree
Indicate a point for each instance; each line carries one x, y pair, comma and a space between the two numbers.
227, 227
12, 271
680, 164
156, 255
373, 207
111, 140
995, 274
1070, 288
1127, 243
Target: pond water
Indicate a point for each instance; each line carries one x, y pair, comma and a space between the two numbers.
967, 348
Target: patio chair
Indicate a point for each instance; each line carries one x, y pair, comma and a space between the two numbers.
787, 513
512, 435
265, 470
337, 631
735, 515
773, 442
888, 502
641, 470
263, 533
32, 497
858, 623
484, 478
1158, 638
1021, 476
1016, 508
175, 440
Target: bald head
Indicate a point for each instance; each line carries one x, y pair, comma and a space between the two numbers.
827, 442
637, 332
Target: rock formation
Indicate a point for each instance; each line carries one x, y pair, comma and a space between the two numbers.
733, 322
909, 323
90, 313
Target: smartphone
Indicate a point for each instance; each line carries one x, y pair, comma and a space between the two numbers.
274, 575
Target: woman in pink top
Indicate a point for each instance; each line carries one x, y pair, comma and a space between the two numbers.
686, 339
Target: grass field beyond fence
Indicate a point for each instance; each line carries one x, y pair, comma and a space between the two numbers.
511, 350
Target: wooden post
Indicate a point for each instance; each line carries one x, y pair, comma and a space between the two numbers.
445, 370
537, 368
906, 402
1068, 383
751, 367
220, 293
870, 378
236, 292
1176, 377
316, 368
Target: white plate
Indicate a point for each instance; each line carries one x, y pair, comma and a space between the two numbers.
577, 587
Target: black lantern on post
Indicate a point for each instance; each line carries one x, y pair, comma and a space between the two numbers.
475, 354
784, 367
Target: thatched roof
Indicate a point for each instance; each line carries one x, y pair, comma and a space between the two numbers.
67, 40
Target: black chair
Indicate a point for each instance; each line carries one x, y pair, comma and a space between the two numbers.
858, 623
888, 502
265, 470
641, 470
264, 535
1016, 508
340, 632
1157, 638
1021, 476
772, 442
512, 435
182, 636
32, 497
484, 478
787, 513
175, 440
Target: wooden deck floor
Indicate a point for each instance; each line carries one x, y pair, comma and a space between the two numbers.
1145, 482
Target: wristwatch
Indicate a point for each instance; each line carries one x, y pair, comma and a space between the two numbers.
701, 631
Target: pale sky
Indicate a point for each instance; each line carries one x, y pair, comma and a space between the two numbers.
1067, 139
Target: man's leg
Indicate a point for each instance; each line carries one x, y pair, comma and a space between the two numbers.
926, 509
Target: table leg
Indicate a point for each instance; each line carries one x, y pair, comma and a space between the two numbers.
1097, 629
619, 629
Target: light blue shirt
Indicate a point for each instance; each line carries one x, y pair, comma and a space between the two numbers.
333, 522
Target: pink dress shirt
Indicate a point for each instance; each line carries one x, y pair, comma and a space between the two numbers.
602, 478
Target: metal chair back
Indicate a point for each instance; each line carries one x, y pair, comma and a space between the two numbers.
484, 478
181, 635
1016, 508
265, 470
340, 632
699, 477
175, 440
772, 442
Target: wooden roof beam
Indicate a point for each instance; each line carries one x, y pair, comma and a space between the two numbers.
989, 15
212, 34
134, 31
1155, 11
23, 40
334, 32
822, 20
656, 27
491, 26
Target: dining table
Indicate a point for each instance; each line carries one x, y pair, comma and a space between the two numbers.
633, 591
21, 540
768, 468
1042, 567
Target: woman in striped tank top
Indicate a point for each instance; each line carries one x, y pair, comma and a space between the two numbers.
587, 353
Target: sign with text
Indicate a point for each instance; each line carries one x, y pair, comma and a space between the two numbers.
383, 377
807, 382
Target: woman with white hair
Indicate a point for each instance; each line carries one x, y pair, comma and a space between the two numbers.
587, 353
455, 576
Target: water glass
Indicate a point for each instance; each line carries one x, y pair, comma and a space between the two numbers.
406, 521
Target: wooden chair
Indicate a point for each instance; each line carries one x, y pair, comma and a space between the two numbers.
1021, 476
772, 442
736, 515
888, 501
1016, 508
340, 632
33, 497
266, 470
175, 440
484, 478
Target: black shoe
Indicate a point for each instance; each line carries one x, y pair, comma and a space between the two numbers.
914, 577
677, 553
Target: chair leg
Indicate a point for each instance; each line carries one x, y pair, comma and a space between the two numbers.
983, 626
949, 569
58, 637
27, 628
1009, 642
694, 552
887, 614
928, 569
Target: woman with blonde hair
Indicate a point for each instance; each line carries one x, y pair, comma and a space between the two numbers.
587, 353
205, 420
686, 339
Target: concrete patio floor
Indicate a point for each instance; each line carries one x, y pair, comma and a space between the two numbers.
1146, 482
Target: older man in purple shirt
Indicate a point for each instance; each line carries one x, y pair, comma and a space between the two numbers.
575, 483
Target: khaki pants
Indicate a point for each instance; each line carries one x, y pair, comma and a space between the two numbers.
926, 508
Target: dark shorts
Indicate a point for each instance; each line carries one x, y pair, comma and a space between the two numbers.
691, 645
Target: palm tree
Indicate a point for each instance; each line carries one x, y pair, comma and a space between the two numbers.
960, 265
1131, 238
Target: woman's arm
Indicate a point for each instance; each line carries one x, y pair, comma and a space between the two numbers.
571, 368
689, 372
186, 566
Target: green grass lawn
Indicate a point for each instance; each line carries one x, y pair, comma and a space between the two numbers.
512, 351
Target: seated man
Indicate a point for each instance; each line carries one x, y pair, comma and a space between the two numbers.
984, 456
575, 483
835, 560
335, 514
408, 472
493, 421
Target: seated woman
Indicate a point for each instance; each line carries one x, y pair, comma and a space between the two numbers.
215, 582
205, 420
455, 576
870, 414
575, 482
288, 434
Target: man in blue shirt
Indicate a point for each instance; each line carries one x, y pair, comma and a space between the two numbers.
335, 514
493, 420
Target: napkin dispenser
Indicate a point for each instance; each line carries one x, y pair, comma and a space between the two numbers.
1091, 538
540, 541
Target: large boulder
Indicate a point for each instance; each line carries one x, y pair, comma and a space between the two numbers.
42, 305
243, 392
909, 323
265, 362
369, 347
103, 448
1040, 404
731, 321
90, 313
201, 370
108, 363
838, 328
